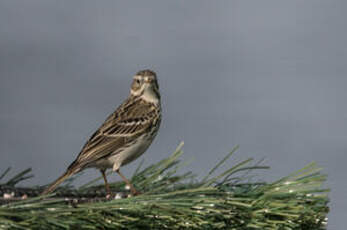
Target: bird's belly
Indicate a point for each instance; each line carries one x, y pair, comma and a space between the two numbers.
126, 155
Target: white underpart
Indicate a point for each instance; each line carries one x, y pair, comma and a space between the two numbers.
132, 152
127, 155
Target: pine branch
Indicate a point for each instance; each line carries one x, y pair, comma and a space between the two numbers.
179, 201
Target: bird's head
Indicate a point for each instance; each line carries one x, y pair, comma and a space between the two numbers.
145, 85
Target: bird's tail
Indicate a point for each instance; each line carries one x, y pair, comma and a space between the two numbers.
58, 181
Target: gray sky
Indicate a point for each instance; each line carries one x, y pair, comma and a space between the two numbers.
269, 75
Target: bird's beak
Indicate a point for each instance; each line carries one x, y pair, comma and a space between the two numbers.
148, 80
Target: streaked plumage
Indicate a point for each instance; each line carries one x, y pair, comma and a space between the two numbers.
125, 134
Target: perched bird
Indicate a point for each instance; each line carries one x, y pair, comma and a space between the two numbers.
125, 134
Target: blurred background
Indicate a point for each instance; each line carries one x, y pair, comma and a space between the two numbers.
268, 75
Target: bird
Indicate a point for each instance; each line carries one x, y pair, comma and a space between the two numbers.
125, 134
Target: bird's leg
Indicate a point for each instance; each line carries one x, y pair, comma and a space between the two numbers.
108, 190
132, 188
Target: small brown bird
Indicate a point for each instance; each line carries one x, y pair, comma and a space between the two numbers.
125, 135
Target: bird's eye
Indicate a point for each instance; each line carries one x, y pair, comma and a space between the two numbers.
137, 81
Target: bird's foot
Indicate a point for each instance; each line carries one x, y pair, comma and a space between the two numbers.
136, 193
109, 196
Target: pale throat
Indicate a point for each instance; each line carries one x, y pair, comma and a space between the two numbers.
150, 96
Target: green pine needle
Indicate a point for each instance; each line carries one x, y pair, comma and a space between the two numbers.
179, 201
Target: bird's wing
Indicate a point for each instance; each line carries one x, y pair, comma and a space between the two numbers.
130, 120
